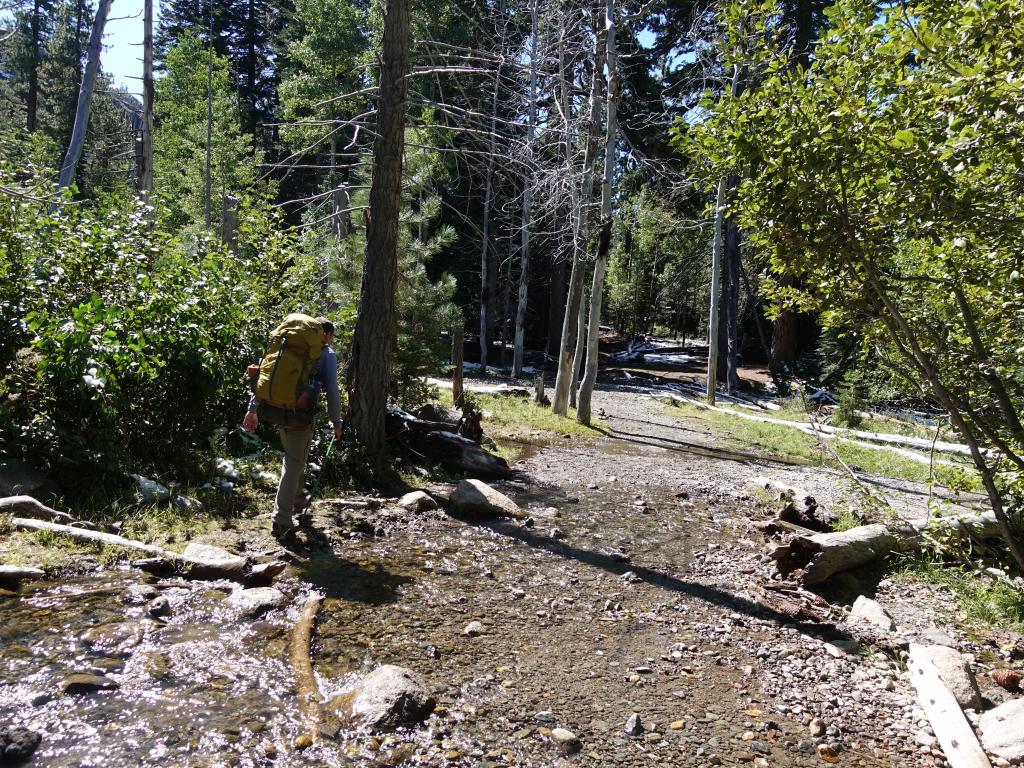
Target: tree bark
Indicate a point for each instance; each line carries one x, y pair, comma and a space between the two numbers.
524, 236
148, 96
581, 345
458, 340
306, 689
604, 237
488, 264
32, 97
74, 153
370, 362
732, 308
208, 170
568, 348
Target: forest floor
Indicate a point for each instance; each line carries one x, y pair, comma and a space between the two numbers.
630, 588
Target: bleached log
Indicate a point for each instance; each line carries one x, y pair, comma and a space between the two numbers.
12, 575
813, 559
302, 666
951, 728
30, 507
196, 567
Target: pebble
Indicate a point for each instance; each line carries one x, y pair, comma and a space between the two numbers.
566, 741
473, 629
634, 727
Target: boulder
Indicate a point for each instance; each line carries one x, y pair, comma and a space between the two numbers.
256, 601
213, 562
417, 501
956, 673
866, 611
187, 504
16, 744
388, 697
565, 741
475, 496
149, 491
1002, 730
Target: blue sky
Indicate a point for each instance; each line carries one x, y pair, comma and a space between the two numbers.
122, 43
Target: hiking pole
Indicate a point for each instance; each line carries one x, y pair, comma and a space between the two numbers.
330, 445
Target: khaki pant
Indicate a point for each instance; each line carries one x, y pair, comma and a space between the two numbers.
296, 450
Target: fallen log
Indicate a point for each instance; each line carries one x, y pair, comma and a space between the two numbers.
951, 728
813, 559
30, 507
437, 441
188, 565
13, 575
302, 666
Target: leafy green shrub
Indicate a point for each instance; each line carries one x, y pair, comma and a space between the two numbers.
122, 346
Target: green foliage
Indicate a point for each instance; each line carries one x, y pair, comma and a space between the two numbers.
657, 274
123, 347
179, 145
887, 181
851, 401
846, 520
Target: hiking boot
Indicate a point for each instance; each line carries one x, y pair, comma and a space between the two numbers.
282, 531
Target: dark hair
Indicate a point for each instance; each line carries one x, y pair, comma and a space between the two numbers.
326, 324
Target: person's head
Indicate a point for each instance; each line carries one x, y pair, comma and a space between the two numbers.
328, 327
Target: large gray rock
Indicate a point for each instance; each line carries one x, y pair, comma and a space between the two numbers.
867, 612
256, 601
478, 497
388, 697
417, 501
16, 744
213, 562
1002, 730
956, 674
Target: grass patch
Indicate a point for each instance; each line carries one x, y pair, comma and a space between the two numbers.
990, 602
794, 444
516, 417
846, 521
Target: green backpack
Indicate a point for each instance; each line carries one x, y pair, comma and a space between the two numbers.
283, 380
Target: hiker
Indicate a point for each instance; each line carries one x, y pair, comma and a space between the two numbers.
294, 412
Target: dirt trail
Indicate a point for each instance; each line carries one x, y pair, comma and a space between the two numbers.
628, 590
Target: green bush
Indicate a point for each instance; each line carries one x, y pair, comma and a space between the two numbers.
851, 401
122, 347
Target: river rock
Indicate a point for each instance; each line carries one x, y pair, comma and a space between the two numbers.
256, 601
478, 497
417, 501
867, 611
117, 638
82, 683
565, 741
956, 674
1002, 730
474, 628
16, 744
262, 574
388, 697
633, 725
213, 562
187, 504
149, 491
12, 575
160, 606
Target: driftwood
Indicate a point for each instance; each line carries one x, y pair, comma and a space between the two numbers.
951, 728
190, 565
302, 667
30, 507
12, 575
813, 559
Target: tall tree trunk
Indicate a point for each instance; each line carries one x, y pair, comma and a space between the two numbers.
581, 345
524, 232
556, 303
146, 174
74, 154
732, 304
208, 170
604, 237
488, 264
369, 366
568, 348
32, 97
250, 70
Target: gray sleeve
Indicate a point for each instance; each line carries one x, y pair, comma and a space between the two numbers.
328, 375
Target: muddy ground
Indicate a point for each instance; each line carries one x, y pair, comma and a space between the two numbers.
631, 589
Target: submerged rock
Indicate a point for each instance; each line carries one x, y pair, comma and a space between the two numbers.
114, 638
388, 697
82, 683
16, 744
478, 497
257, 601
214, 562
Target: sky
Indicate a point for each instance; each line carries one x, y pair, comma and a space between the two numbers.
122, 43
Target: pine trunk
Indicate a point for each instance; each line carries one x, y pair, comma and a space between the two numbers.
148, 94
369, 365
